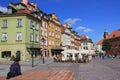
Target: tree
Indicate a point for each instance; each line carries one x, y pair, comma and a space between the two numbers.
106, 45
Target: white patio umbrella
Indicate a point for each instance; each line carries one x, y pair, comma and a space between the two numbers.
65, 53
73, 52
84, 52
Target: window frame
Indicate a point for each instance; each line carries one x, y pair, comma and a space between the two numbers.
19, 22
4, 36
19, 36
31, 37
4, 23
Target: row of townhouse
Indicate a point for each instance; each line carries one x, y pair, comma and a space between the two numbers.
27, 31
70, 38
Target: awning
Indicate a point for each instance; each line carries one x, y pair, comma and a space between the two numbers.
34, 48
72, 51
57, 49
87, 52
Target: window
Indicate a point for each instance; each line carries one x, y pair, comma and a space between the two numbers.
31, 24
84, 43
4, 36
49, 42
9, 11
45, 17
86, 48
41, 42
41, 14
5, 23
46, 25
41, 32
19, 36
35, 15
52, 34
113, 35
45, 33
49, 24
31, 37
6, 54
58, 29
36, 27
37, 38
49, 33
19, 22
52, 42
46, 43
58, 36
43, 23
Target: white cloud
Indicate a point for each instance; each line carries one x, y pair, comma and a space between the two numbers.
84, 29
87, 37
80, 28
88, 30
3, 9
72, 21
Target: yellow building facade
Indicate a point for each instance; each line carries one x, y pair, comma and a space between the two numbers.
19, 33
54, 35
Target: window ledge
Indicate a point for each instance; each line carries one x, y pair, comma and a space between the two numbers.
4, 27
18, 26
3, 40
18, 40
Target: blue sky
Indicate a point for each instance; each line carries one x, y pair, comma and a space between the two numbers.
89, 17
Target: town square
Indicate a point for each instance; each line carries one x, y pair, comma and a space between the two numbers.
59, 40
98, 69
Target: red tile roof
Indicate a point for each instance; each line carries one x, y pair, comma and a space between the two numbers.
24, 11
83, 37
114, 34
100, 42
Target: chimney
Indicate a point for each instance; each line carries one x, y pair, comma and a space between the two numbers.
24, 2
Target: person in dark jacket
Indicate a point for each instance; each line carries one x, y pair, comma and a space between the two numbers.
15, 69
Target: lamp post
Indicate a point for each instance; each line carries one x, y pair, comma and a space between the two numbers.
43, 40
33, 28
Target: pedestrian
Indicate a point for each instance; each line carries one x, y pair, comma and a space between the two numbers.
43, 60
15, 69
103, 56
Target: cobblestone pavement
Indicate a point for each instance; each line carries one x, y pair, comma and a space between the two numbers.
25, 66
97, 69
46, 75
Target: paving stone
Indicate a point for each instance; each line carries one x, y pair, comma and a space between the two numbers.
46, 75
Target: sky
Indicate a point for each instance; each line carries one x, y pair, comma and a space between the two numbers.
88, 17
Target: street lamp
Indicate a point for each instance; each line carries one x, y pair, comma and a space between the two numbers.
33, 28
43, 40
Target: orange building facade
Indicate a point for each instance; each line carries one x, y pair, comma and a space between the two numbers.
114, 39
